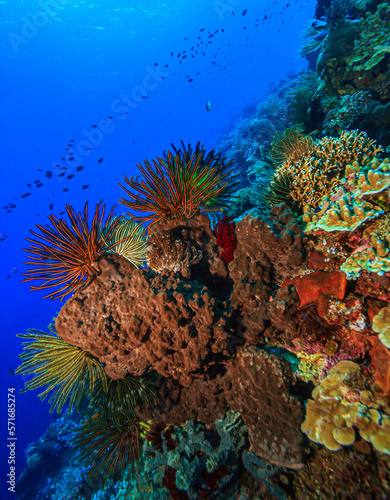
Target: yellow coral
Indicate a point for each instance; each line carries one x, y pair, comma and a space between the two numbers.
338, 411
370, 180
381, 325
319, 171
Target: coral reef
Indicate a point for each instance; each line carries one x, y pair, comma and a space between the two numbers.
318, 172
249, 357
340, 406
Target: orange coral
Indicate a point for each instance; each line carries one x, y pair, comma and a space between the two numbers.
317, 172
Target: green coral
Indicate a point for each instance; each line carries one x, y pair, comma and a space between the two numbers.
368, 259
345, 213
198, 452
373, 44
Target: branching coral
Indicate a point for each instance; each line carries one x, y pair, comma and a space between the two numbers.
179, 185
68, 253
65, 369
317, 172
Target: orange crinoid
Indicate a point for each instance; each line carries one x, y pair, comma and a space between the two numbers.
66, 254
179, 185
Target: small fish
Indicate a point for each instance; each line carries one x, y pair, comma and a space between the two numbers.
65, 189
208, 106
70, 176
79, 169
25, 195
244, 12
8, 277
100, 160
49, 174
51, 206
39, 185
85, 186
11, 371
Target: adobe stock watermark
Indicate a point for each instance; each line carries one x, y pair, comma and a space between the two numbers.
32, 25
222, 7
119, 107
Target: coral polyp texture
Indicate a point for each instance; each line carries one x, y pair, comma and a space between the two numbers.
319, 171
339, 407
179, 185
66, 255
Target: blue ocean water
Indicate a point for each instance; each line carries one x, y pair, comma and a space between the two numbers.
69, 65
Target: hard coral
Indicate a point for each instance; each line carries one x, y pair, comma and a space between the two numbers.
264, 257
381, 325
337, 409
372, 45
317, 172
